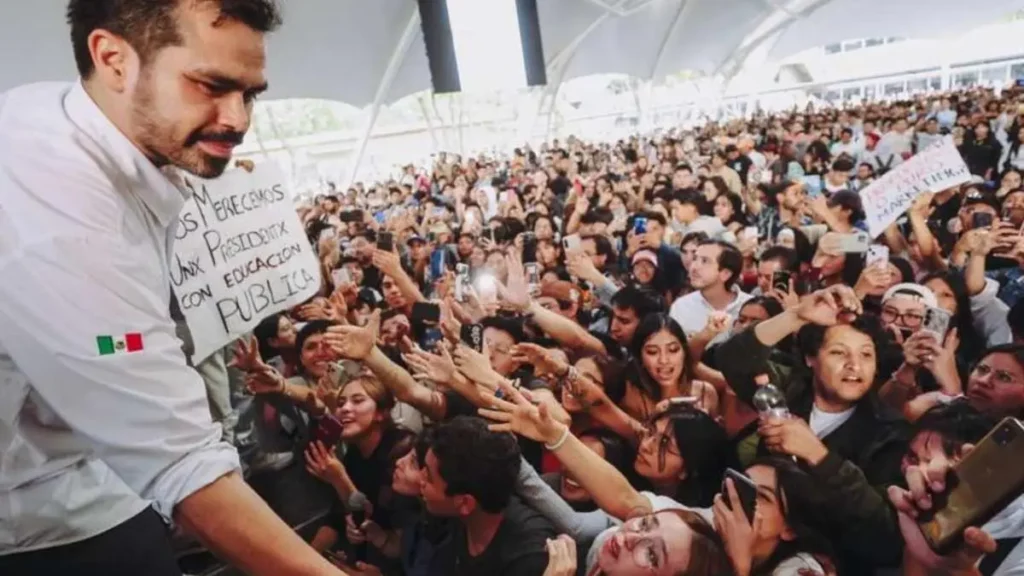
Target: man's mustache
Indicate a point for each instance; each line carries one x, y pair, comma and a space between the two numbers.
229, 137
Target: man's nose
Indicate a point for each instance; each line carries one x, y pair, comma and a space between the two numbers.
233, 113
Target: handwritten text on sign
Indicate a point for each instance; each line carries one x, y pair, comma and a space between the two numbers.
934, 169
240, 255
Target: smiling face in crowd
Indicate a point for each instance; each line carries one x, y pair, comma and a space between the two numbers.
357, 411
316, 356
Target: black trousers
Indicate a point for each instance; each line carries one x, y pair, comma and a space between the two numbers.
139, 547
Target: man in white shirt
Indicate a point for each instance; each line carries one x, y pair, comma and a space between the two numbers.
715, 269
105, 432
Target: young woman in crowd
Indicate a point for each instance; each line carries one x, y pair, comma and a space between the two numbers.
662, 369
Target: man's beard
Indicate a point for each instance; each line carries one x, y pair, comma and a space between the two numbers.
157, 137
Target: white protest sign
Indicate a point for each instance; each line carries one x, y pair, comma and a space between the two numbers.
240, 255
934, 169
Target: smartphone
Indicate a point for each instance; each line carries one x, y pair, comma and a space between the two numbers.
750, 232
385, 241
854, 242
328, 430
341, 276
529, 247
980, 486
472, 335
780, 280
351, 216
640, 225
746, 489
876, 255
429, 338
380, 217
571, 243
936, 321
981, 220
533, 278
461, 282
438, 263
425, 313
328, 233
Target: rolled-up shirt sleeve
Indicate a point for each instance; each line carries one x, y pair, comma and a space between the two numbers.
144, 412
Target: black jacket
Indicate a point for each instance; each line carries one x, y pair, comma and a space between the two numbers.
863, 459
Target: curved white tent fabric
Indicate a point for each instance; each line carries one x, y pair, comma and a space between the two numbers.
363, 51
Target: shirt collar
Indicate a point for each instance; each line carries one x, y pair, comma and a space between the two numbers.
161, 190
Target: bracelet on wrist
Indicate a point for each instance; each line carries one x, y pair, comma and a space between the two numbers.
558, 444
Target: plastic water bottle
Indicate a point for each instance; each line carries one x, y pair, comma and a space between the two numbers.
769, 401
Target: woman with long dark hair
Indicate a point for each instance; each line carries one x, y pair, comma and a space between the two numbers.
662, 368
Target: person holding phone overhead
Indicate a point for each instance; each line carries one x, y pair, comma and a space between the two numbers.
101, 450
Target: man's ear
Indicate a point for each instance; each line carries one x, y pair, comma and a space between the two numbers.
112, 58
465, 504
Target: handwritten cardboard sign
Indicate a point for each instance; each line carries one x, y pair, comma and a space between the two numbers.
240, 255
934, 169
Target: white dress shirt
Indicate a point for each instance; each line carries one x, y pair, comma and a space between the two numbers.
88, 441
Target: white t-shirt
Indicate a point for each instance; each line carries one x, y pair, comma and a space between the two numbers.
824, 423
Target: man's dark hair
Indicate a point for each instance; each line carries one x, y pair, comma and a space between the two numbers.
642, 301
811, 337
150, 25
513, 326
786, 257
729, 259
474, 461
603, 246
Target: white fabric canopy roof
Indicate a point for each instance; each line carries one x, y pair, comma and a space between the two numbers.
362, 51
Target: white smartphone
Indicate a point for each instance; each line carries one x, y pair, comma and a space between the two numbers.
750, 232
854, 242
341, 276
571, 243
877, 255
936, 321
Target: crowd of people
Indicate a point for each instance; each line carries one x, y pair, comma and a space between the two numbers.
576, 359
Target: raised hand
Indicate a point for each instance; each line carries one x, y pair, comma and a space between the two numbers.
476, 366
520, 415
439, 369
516, 292
247, 357
354, 342
924, 479
738, 532
323, 463
830, 306
543, 361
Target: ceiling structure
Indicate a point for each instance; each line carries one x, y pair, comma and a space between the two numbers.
371, 51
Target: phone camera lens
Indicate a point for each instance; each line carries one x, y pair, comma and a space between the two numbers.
1003, 435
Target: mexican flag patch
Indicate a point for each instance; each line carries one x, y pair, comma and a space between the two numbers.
117, 344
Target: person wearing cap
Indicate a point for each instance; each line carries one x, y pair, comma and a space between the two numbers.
847, 211
644, 267
904, 307
417, 256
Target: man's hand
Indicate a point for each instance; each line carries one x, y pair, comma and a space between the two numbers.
830, 306
793, 436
